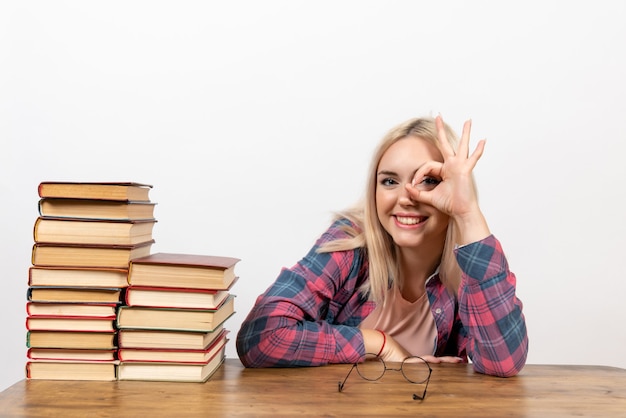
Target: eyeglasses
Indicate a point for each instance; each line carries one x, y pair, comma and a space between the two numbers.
414, 369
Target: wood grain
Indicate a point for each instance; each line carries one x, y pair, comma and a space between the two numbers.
454, 390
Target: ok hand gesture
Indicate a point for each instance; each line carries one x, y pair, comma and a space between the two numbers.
455, 195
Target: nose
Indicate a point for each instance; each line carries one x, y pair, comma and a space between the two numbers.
404, 198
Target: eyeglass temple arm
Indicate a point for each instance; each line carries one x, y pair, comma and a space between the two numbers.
417, 397
341, 384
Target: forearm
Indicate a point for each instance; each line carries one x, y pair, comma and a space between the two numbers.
285, 341
491, 311
373, 340
471, 228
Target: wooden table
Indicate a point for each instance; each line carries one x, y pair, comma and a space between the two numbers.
454, 390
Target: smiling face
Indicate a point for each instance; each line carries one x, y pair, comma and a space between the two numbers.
411, 224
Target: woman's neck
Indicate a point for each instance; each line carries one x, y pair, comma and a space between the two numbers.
415, 267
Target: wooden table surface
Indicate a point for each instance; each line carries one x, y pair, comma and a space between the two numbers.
454, 390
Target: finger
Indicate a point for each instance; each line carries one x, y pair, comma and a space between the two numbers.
444, 146
417, 195
443, 359
431, 359
478, 152
465, 138
428, 169
450, 359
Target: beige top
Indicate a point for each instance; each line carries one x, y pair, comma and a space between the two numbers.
411, 324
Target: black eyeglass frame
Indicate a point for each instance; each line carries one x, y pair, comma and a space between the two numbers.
385, 368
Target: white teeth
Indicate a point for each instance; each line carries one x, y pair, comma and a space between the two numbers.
408, 220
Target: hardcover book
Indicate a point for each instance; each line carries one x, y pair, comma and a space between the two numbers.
71, 370
174, 319
73, 255
183, 270
74, 294
164, 297
153, 338
78, 277
96, 209
93, 231
71, 354
80, 310
60, 323
163, 355
129, 191
171, 372
71, 339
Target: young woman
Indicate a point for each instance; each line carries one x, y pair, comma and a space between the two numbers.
414, 270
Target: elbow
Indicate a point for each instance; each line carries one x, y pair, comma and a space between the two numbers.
509, 372
250, 360
255, 348
499, 369
248, 352
504, 367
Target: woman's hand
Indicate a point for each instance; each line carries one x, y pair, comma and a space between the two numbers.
455, 194
443, 359
393, 352
377, 342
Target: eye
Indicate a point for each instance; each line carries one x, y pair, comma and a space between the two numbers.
388, 181
428, 183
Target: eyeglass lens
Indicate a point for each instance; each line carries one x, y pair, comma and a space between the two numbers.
414, 369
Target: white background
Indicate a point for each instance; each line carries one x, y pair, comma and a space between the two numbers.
255, 121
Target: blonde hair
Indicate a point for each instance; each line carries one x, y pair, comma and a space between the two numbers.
369, 234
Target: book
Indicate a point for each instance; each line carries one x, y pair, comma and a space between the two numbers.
175, 297
74, 255
174, 319
96, 209
71, 309
71, 354
71, 370
74, 294
71, 339
183, 270
184, 340
128, 191
171, 372
162, 355
93, 231
60, 323
78, 277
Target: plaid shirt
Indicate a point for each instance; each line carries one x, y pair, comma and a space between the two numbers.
310, 315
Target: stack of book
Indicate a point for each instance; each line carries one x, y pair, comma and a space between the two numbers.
85, 236
172, 324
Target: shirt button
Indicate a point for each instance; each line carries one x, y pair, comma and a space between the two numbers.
438, 310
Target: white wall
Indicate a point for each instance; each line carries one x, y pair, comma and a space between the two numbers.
255, 120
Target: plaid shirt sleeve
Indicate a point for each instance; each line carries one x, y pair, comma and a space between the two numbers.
491, 313
309, 316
